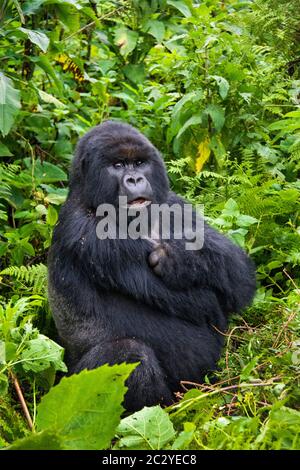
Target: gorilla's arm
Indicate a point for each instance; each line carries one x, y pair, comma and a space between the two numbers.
219, 265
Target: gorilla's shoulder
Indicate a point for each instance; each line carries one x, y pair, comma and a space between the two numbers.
173, 198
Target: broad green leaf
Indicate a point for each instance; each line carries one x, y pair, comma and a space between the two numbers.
149, 428
193, 121
38, 38
223, 85
180, 6
41, 353
69, 16
286, 124
4, 151
47, 98
43, 62
31, 6
46, 172
10, 351
135, 72
156, 29
231, 208
238, 236
45, 440
295, 114
217, 115
274, 264
9, 104
192, 96
52, 216
185, 437
245, 220
125, 39
85, 409
282, 428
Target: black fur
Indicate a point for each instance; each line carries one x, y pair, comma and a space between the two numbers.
111, 306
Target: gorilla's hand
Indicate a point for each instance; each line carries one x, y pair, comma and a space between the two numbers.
160, 259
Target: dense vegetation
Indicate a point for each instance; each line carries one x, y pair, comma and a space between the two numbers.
216, 86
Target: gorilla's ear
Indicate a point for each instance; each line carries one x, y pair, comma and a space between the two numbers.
83, 165
81, 156
79, 164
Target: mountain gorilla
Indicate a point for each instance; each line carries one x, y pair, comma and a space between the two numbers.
138, 300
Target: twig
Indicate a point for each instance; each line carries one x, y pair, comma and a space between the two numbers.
282, 330
22, 400
92, 23
183, 405
292, 280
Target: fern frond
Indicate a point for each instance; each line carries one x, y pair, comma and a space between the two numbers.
35, 276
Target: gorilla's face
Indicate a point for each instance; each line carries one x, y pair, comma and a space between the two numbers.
113, 160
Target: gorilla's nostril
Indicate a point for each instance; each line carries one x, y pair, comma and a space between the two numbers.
131, 180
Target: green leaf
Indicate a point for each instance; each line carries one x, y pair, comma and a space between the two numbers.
193, 121
52, 216
46, 172
185, 437
47, 98
38, 38
238, 236
4, 151
149, 428
9, 104
126, 40
231, 208
43, 62
246, 372
10, 351
217, 115
41, 353
135, 72
45, 440
88, 418
180, 6
245, 220
31, 6
223, 85
156, 29
192, 96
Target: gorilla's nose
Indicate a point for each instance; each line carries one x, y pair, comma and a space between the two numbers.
135, 183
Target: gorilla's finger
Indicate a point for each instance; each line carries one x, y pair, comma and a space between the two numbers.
156, 255
154, 258
158, 269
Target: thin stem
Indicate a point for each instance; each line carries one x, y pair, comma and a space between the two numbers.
22, 400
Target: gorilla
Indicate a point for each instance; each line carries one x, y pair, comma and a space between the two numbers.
145, 300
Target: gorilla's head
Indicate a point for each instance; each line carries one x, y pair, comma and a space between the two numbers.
113, 160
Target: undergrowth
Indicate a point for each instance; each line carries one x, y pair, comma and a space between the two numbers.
215, 86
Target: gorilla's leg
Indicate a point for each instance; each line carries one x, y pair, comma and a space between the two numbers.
146, 385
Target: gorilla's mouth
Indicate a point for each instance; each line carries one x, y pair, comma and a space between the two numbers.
139, 202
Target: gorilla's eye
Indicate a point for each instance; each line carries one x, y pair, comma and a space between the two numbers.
118, 165
138, 162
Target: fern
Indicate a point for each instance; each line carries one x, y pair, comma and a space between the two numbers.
12, 425
35, 276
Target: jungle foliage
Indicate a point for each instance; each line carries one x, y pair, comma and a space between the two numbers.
216, 86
